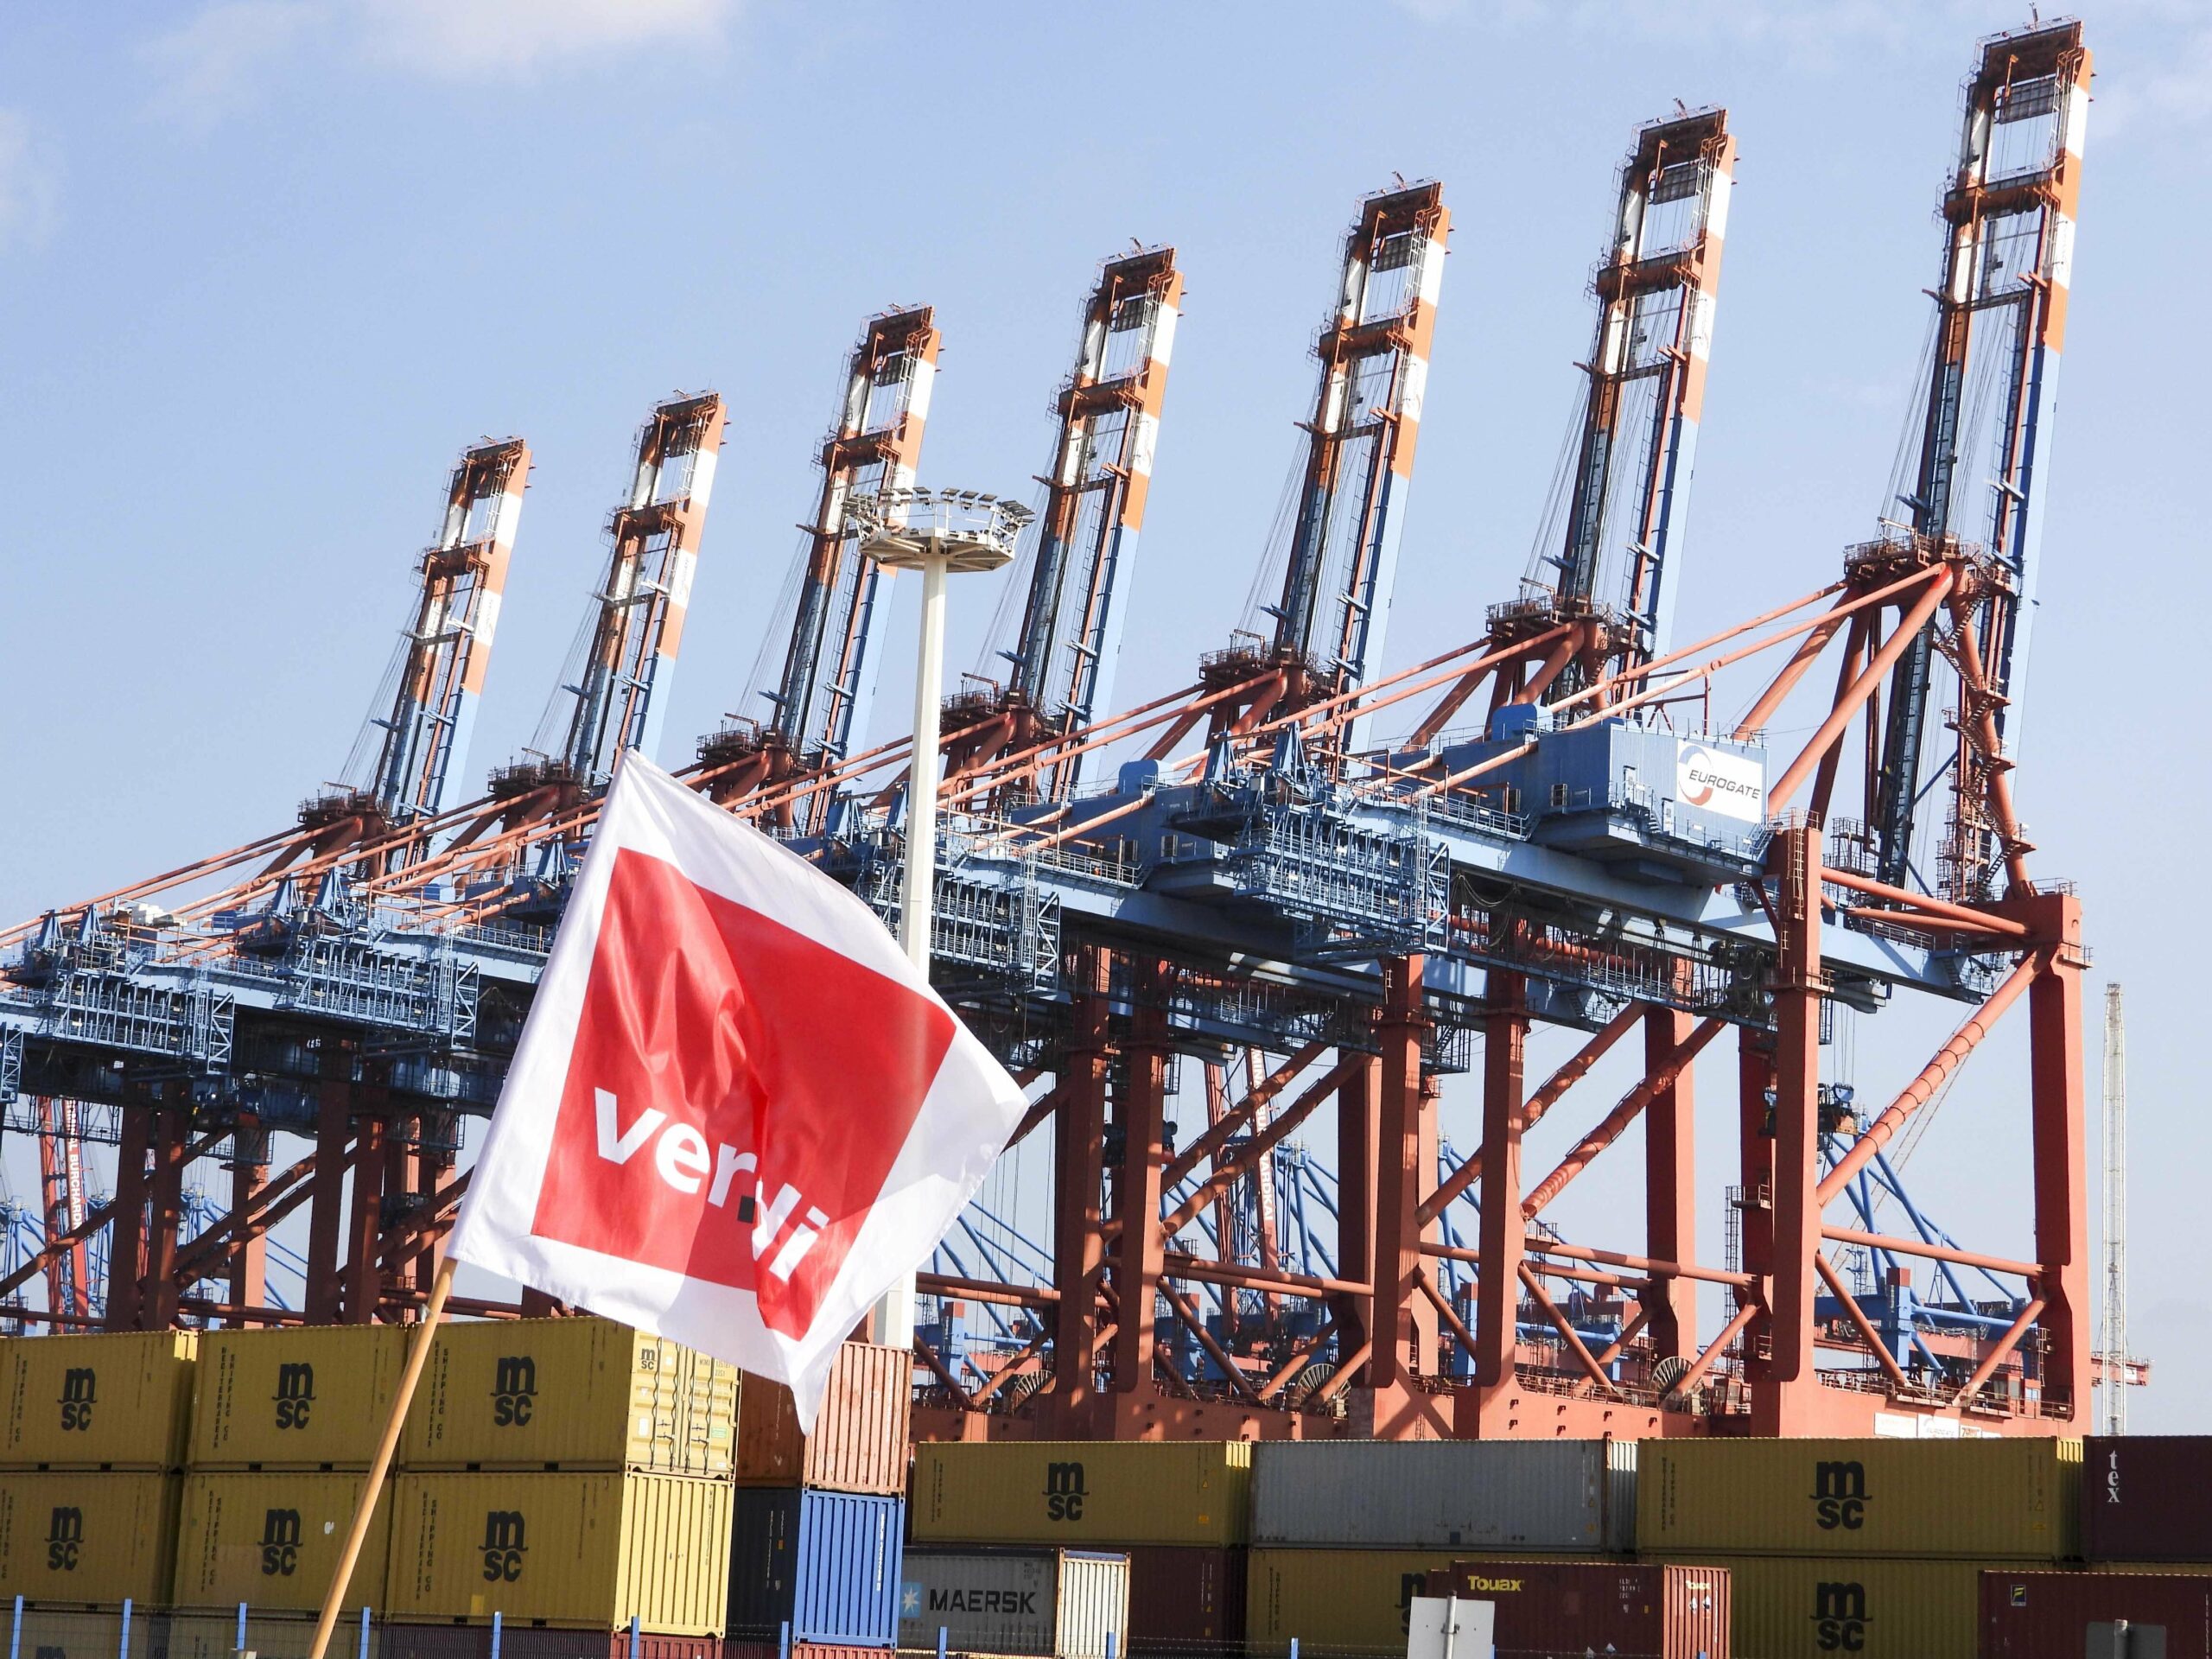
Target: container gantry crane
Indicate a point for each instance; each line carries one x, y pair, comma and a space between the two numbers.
819, 706
619, 695
1062, 663
1368, 920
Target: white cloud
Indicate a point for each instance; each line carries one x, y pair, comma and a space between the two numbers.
211, 67
29, 182
477, 37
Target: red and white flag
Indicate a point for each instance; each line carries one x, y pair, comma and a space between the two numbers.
736, 1115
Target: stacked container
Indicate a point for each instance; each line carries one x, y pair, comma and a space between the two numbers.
1055, 1604
94, 1431
1179, 1511
1870, 1546
284, 1423
821, 1519
1592, 1607
1345, 1533
568, 1476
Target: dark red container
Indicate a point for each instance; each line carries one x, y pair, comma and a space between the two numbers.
2055, 1615
396, 1640
1187, 1602
2143, 1498
1665, 1612
860, 1439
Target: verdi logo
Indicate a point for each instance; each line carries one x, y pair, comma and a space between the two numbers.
65, 1539
1840, 1495
280, 1543
78, 1387
514, 1390
295, 1394
1840, 1619
502, 1546
1064, 1491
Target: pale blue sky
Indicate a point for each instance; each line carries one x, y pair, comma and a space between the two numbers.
266, 265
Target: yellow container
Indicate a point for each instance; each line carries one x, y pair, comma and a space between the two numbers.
87, 1537
1334, 1599
1979, 1499
1082, 1492
303, 1397
117, 1401
588, 1551
76, 1633
1800, 1607
274, 1636
272, 1540
570, 1393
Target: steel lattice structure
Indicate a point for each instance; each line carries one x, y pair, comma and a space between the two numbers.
1267, 898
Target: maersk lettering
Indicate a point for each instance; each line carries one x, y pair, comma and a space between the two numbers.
1064, 1491
1840, 1495
1840, 1618
983, 1601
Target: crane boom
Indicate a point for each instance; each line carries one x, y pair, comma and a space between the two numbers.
448, 647
2001, 323
1628, 494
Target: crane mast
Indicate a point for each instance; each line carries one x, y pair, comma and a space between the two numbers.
2001, 323
1107, 432
820, 696
2111, 1345
1353, 476
620, 694
1628, 493
448, 648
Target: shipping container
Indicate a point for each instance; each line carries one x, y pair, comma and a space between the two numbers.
398, 1640
1335, 1600
214, 1635
1184, 1602
112, 1401
586, 1551
569, 1393
2123, 1614
273, 1539
2143, 1498
860, 1439
87, 1538
826, 1563
1576, 1496
311, 1396
1088, 1493
78, 1633
1803, 1607
1993, 1500
1061, 1604
1659, 1612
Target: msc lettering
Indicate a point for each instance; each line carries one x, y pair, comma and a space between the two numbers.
1840, 1495
514, 1390
1064, 1491
294, 1394
502, 1546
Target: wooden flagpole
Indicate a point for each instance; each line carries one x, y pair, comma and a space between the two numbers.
418, 1354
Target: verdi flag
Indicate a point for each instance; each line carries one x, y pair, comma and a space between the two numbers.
737, 1114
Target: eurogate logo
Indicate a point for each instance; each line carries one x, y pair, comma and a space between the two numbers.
1716, 781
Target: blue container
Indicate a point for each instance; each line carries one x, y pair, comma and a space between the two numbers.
826, 1562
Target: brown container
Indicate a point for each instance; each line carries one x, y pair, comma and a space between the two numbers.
1185, 1602
1666, 1612
860, 1439
2065, 1615
521, 1640
2143, 1498
799, 1650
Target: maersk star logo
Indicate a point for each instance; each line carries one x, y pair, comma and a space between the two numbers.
910, 1601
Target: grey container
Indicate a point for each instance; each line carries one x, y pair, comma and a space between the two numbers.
1574, 1496
1059, 1602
